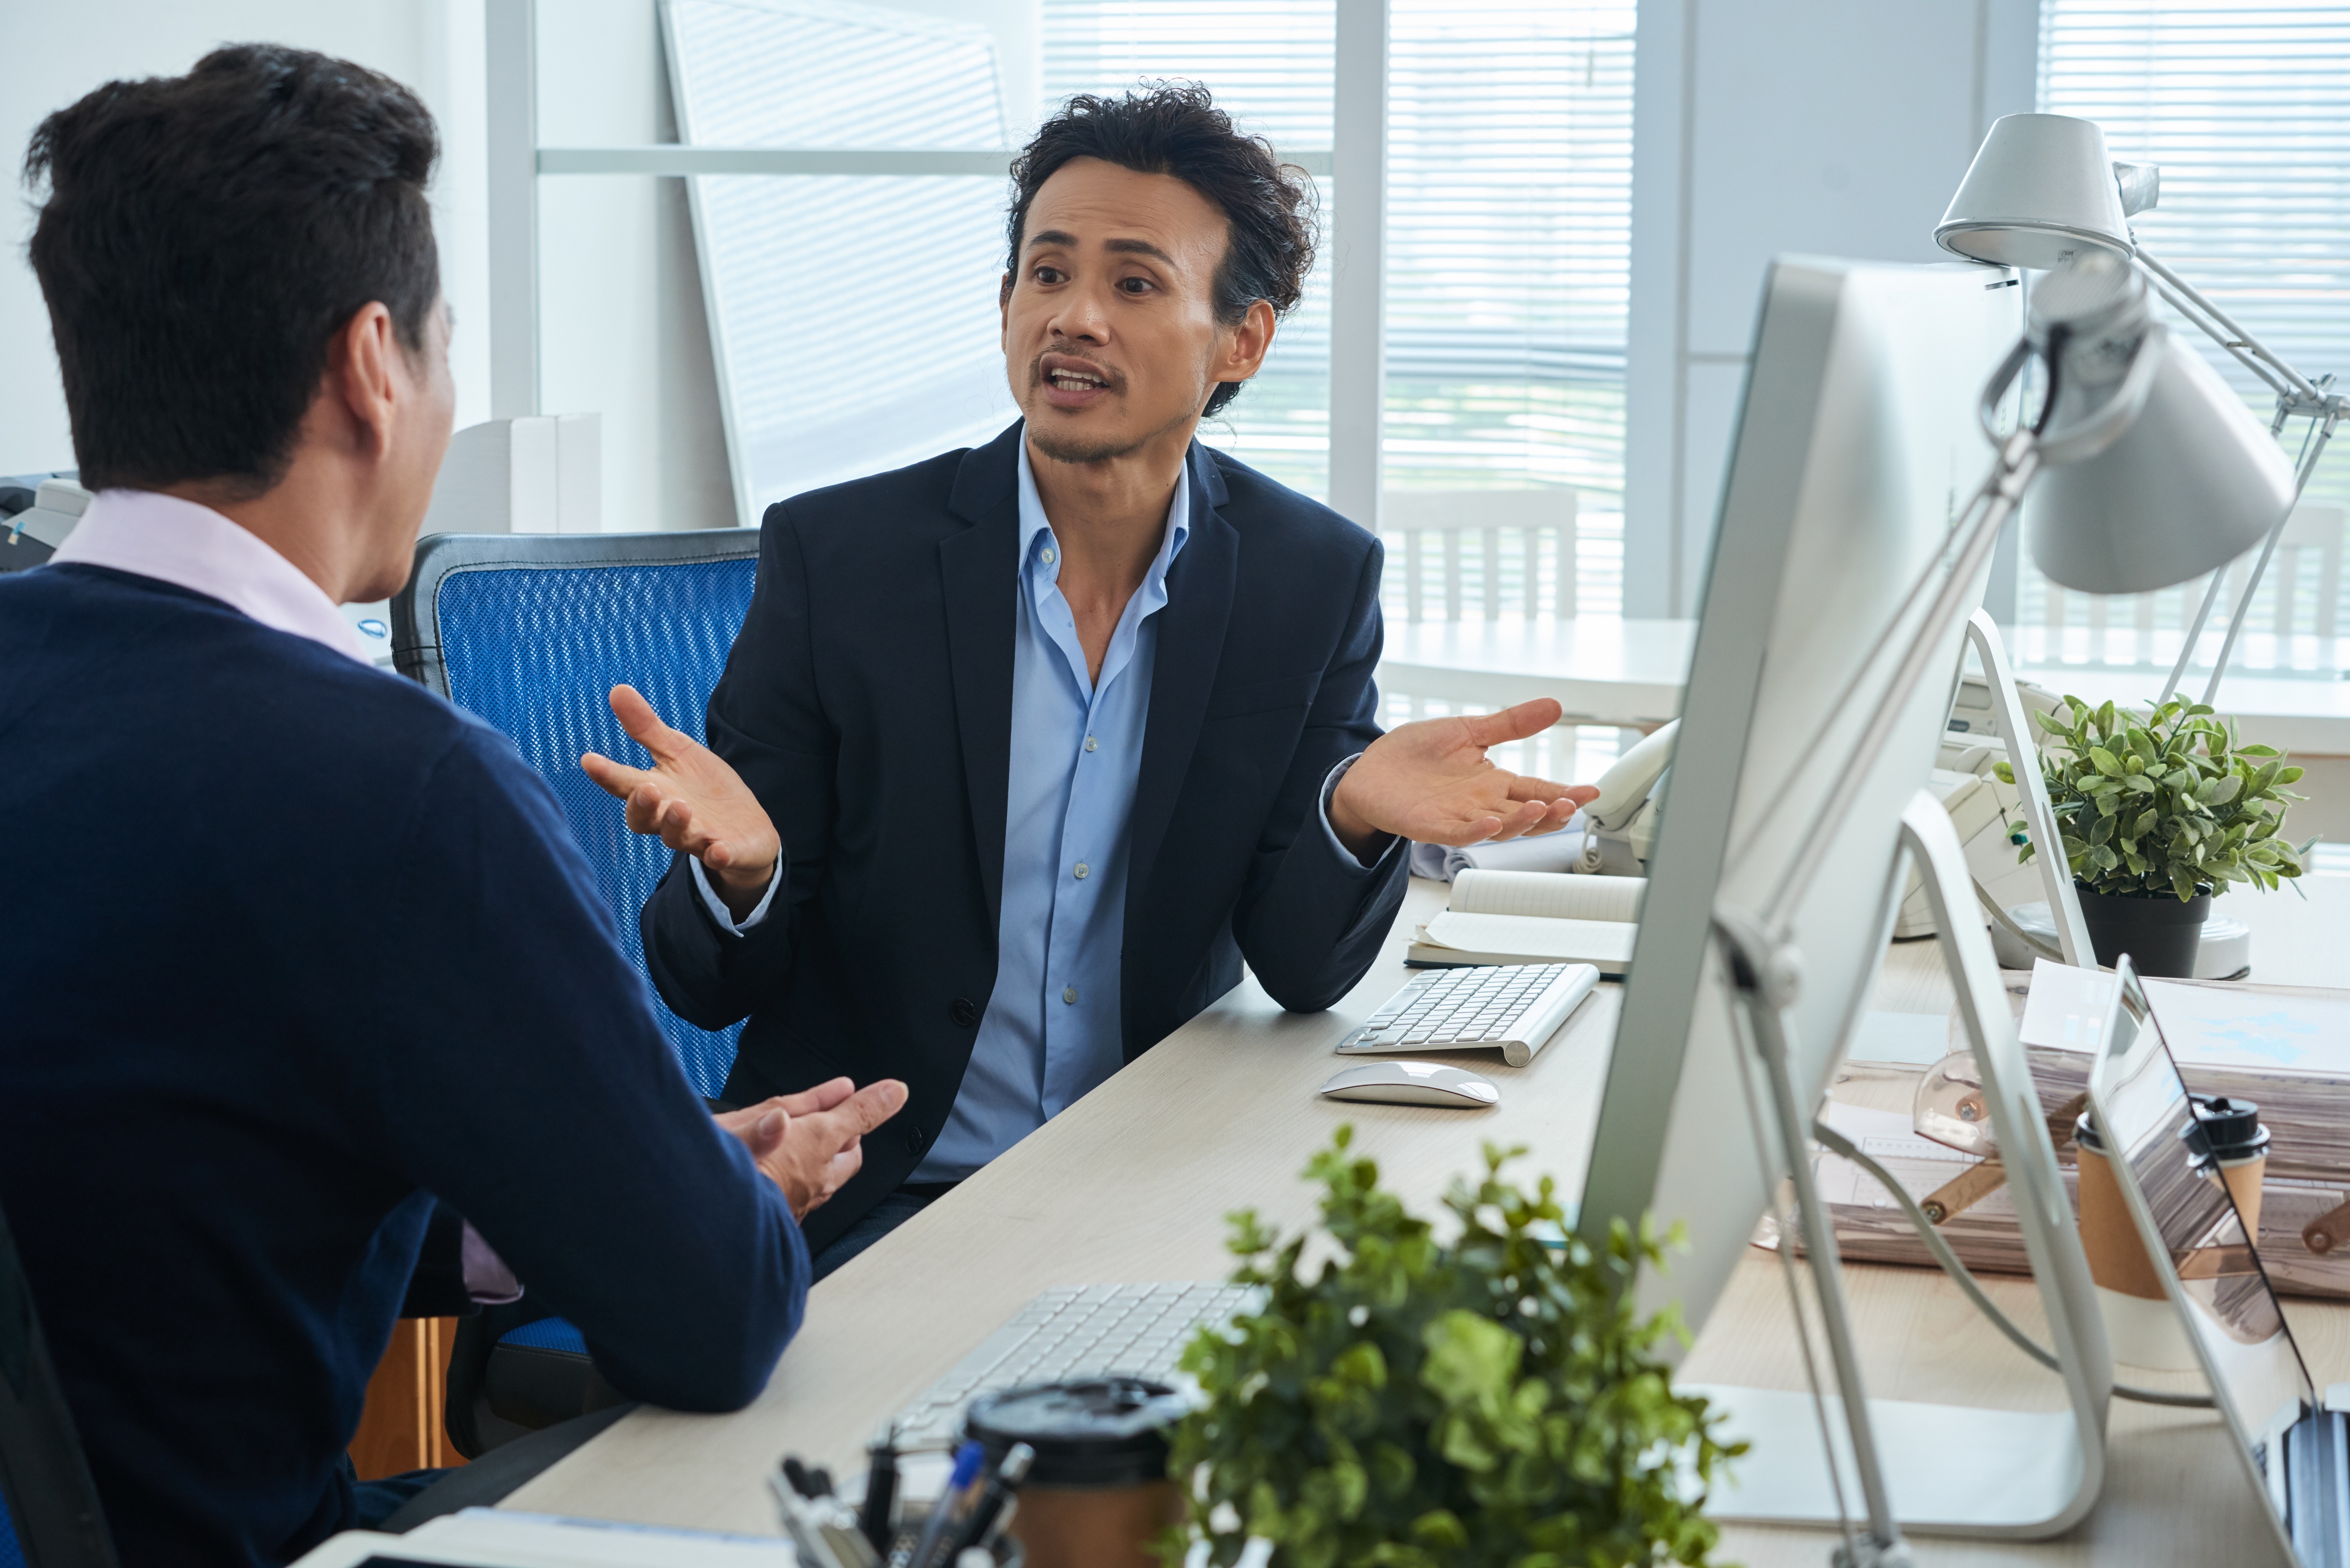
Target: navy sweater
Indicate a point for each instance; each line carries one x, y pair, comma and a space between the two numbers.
293, 947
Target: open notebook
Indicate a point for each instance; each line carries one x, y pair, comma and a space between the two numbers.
1535, 917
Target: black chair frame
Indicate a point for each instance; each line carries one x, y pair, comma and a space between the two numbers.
52, 1499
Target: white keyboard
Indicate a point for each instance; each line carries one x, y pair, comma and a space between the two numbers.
1073, 1331
1516, 1007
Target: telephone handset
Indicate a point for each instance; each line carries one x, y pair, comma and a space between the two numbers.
1619, 826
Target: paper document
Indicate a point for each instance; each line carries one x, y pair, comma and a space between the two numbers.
1547, 893
1457, 937
494, 1538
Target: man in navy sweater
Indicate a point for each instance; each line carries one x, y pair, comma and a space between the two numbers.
296, 948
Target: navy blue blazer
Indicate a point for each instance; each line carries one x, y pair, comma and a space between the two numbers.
868, 704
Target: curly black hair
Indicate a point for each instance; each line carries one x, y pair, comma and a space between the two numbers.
206, 236
1175, 128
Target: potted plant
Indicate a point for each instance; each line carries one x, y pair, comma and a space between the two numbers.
1418, 1404
2158, 812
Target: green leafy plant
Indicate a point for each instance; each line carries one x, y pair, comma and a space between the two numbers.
2166, 802
1416, 1405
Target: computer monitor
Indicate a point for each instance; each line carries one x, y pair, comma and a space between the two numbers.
1858, 444
2296, 1449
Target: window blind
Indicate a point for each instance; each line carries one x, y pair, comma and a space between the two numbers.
1269, 63
1509, 246
1509, 231
2246, 106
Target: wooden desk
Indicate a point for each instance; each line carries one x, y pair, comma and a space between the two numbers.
1132, 1184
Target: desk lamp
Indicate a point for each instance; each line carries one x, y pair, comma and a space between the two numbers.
2125, 412
2041, 192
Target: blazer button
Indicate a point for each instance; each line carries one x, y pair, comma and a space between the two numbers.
964, 1012
916, 1139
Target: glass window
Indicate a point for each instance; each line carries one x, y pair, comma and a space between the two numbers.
2246, 108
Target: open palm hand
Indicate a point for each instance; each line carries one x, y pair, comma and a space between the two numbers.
1430, 782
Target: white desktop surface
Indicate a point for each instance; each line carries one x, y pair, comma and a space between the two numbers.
1608, 670
1133, 1183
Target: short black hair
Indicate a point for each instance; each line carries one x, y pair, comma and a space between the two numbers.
202, 240
1175, 128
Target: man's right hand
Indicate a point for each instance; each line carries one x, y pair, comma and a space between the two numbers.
809, 1143
693, 802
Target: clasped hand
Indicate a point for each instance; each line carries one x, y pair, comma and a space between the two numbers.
811, 1143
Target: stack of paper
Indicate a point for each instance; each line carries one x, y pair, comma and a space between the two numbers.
2286, 1048
1872, 1227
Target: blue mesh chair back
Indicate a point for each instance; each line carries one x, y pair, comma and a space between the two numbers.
533, 631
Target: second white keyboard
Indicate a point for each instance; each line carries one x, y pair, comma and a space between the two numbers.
1071, 1331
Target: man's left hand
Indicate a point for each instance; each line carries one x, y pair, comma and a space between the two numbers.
1430, 782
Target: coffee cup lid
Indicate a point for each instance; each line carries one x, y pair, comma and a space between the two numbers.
2226, 1128
1096, 1432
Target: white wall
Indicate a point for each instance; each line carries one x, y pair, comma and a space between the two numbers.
622, 328
59, 52
1833, 127
622, 331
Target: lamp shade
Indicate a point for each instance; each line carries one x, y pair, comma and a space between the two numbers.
2193, 482
2041, 191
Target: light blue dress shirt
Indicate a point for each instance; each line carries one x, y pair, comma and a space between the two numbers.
1052, 1030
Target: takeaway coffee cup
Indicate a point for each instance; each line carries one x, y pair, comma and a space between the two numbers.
2231, 1145
1097, 1494
2141, 1325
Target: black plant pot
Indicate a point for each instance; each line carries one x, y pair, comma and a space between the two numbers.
2161, 934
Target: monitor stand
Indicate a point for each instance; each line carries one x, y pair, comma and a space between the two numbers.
1939, 1469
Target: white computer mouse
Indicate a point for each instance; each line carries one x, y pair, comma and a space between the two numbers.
1400, 1082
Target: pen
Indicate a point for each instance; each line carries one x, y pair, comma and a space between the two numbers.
978, 1524
880, 1490
934, 1529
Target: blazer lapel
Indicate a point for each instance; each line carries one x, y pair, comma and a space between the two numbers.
979, 575
1190, 645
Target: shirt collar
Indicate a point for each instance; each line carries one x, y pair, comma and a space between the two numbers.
1033, 521
174, 541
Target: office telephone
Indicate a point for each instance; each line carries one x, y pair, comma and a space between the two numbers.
1620, 826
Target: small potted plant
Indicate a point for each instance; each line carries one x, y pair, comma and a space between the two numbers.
2158, 812
1417, 1404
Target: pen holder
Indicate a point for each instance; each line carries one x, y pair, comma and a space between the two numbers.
913, 1515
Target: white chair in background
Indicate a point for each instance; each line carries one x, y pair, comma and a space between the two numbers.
2309, 553
2311, 549
1521, 544
1496, 554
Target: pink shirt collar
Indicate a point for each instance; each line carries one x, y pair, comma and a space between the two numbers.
192, 547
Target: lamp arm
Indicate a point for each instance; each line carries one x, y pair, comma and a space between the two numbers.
1969, 549
2186, 308
2234, 338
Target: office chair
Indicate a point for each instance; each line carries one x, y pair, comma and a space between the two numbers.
531, 631
50, 1511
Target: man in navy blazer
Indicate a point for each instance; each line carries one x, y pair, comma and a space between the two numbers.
1022, 750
